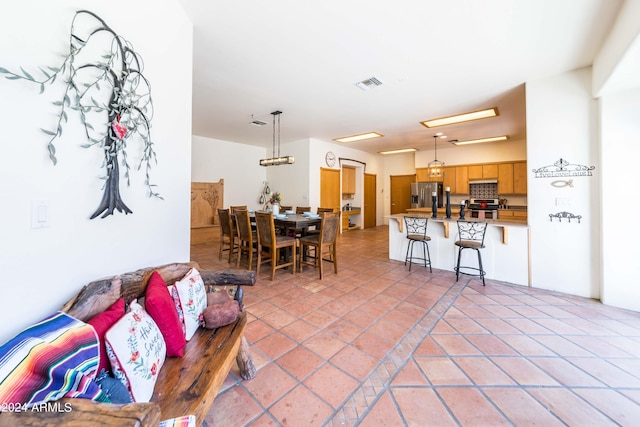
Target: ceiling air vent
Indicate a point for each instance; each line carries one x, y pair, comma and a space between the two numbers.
369, 83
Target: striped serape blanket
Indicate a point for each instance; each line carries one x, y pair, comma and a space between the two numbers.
55, 358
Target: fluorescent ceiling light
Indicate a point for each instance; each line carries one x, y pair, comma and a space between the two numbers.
478, 141
359, 137
474, 115
404, 150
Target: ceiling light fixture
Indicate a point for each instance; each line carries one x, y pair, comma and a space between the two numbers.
459, 118
276, 160
403, 150
478, 141
359, 137
436, 167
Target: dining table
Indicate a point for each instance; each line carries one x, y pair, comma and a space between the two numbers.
290, 222
294, 222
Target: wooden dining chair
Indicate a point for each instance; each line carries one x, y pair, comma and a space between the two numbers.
321, 210
227, 233
269, 244
303, 209
235, 208
285, 208
323, 243
247, 238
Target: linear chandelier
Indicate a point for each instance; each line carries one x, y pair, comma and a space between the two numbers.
276, 160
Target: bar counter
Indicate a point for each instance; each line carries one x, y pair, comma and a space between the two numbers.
505, 256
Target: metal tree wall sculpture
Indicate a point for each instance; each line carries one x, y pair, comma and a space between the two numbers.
112, 93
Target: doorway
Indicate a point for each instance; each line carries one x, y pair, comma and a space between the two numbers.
370, 203
330, 188
400, 198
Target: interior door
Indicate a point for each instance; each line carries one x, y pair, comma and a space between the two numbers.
370, 204
330, 188
401, 193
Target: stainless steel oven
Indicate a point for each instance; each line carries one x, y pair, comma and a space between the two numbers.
484, 208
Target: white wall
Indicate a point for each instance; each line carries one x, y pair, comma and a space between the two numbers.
562, 123
237, 164
42, 268
292, 180
620, 152
374, 165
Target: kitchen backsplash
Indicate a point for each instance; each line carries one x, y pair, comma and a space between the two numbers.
483, 191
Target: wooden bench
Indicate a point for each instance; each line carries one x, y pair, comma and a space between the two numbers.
185, 386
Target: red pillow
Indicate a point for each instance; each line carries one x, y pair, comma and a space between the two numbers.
160, 306
102, 323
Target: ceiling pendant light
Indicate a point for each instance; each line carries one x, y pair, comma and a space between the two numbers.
436, 167
276, 160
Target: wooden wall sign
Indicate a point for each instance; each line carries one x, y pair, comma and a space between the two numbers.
206, 198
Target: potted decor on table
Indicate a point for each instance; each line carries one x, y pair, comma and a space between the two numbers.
274, 201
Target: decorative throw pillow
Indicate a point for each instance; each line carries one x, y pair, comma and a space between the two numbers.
162, 309
193, 300
176, 301
102, 323
220, 314
136, 350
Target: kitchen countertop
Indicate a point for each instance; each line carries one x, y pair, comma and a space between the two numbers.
456, 216
514, 208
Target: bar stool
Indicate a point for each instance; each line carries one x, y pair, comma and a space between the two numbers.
417, 232
471, 236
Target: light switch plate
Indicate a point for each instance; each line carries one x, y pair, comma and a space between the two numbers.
39, 214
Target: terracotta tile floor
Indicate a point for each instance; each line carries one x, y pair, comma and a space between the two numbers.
377, 345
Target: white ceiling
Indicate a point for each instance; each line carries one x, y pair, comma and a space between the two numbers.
435, 58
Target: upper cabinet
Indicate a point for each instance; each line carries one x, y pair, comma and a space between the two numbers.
462, 180
490, 171
450, 178
348, 180
422, 175
505, 178
512, 178
483, 171
520, 177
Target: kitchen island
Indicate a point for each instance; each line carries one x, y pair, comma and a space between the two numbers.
505, 256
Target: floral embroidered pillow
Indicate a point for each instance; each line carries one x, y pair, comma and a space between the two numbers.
176, 301
193, 300
136, 350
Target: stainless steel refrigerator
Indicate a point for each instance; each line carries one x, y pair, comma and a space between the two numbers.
421, 193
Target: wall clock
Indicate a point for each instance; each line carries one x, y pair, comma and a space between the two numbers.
330, 158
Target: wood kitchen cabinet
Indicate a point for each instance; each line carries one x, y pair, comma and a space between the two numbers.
348, 180
450, 178
512, 178
483, 171
505, 178
422, 175
512, 215
520, 178
462, 180
490, 171
474, 171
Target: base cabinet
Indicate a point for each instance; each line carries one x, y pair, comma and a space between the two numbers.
346, 220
